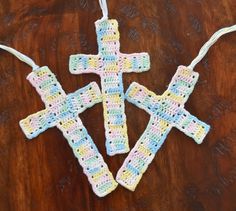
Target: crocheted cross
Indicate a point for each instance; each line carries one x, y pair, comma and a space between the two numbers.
62, 112
167, 111
110, 64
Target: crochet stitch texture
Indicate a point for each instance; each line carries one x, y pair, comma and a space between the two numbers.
62, 112
166, 111
110, 65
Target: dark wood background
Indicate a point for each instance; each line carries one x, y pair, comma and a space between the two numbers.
43, 174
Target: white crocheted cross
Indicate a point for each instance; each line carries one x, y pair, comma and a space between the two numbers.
166, 111
110, 64
62, 112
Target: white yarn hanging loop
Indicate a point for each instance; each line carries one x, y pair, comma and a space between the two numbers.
103, 5
205, 48
20, 56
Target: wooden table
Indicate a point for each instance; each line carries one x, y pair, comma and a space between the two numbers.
44, 175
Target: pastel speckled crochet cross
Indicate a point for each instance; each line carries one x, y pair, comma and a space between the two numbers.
110, 64
167, 111
62, 112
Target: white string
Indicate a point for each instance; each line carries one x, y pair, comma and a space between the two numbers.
203, 51
103, 5
20, 56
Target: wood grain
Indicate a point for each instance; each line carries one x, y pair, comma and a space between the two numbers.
43, 174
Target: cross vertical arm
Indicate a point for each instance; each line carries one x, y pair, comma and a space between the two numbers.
47, 86
143, 153
82, 63
114, 114
136, 62
88, 156
183, 83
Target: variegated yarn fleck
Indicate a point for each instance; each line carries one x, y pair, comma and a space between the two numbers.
110, 65
167, 111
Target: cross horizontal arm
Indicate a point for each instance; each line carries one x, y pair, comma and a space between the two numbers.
84, 98
88, 156
142, 97
82, 63
137, 62
191, 126
37, 123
